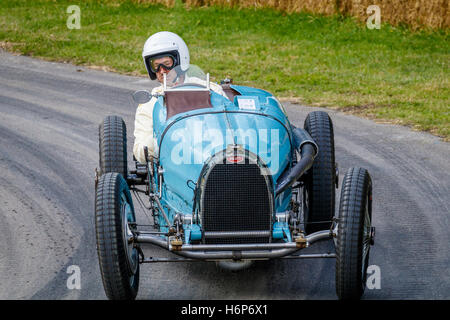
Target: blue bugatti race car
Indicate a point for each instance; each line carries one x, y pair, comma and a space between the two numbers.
229, 180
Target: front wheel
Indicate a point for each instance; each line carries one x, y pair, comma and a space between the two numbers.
114, 223
355, 234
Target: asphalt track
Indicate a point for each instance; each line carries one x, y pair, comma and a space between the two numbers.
49, 116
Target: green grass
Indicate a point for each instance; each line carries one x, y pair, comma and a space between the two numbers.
391, 74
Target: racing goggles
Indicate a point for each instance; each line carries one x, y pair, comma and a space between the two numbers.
166, 61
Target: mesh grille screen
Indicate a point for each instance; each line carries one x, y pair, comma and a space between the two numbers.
236, 199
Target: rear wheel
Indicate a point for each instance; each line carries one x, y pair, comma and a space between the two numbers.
114, 224
355, 234
113, 146
319, 190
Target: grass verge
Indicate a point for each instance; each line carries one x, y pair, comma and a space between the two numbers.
391, 74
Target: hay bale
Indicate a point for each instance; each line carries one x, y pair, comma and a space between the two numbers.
415, 13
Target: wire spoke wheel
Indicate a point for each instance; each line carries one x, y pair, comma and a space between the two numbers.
128, 236
113, 146
366, 242
319, 190
354, 236
114, 223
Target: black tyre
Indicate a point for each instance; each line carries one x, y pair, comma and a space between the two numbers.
113, 146
319, 191
118, 257
354, 236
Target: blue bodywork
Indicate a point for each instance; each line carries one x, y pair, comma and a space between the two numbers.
187, 140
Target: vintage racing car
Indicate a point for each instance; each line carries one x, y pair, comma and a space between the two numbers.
231, 181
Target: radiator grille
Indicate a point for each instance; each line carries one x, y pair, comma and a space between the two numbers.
236, 198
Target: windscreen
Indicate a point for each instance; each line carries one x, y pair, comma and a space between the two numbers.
194, 75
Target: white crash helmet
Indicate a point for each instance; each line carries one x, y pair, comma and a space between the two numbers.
165, 42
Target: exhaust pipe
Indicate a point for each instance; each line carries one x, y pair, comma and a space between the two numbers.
308, 149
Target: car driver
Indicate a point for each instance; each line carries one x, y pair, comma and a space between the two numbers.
163, 51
